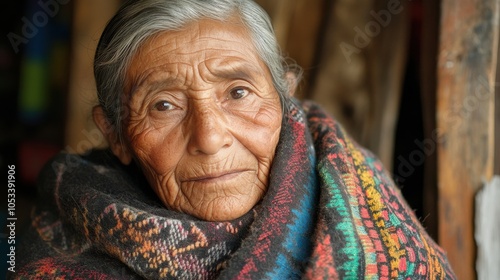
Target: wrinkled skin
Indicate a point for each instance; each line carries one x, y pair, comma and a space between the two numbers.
204, 119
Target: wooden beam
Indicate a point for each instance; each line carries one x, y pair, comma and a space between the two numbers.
281, 12
360, 75
90, 17
297, 24
386, 61
467, 70
303, 38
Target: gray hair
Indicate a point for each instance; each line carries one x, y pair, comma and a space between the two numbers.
136, 21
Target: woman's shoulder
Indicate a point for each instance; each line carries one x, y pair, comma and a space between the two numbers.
72, 162
96, 170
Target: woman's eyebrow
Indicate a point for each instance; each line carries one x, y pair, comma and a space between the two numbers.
236, 71
154, 85
233, 74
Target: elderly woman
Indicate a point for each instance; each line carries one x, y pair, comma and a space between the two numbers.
214, 170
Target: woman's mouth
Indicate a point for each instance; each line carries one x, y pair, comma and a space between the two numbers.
219, 176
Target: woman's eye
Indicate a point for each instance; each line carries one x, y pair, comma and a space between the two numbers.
238, 93
163, 106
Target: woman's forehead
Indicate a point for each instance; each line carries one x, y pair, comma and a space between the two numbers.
213, 47
202, 35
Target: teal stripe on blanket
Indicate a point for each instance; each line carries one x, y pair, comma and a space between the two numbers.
344, 226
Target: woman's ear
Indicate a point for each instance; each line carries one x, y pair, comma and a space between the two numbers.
292, 80
117, 147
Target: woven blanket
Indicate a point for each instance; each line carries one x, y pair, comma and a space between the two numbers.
331, 212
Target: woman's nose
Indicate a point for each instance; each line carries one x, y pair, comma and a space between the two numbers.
208, 131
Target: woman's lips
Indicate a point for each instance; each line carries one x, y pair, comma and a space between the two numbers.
223, 176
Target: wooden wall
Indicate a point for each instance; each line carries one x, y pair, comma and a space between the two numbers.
467, 132
361, 69
358, 80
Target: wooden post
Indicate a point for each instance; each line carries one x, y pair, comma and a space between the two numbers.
386, 61
281, 12
360, 75
297, 24
465, 134
90, 17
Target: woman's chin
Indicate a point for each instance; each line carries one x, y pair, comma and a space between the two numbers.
223, 209
224, 198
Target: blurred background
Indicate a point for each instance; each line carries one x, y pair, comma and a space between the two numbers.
413, 80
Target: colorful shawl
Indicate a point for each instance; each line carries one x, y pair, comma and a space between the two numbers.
331, 212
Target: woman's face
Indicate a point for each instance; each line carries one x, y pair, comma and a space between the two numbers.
204, 119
